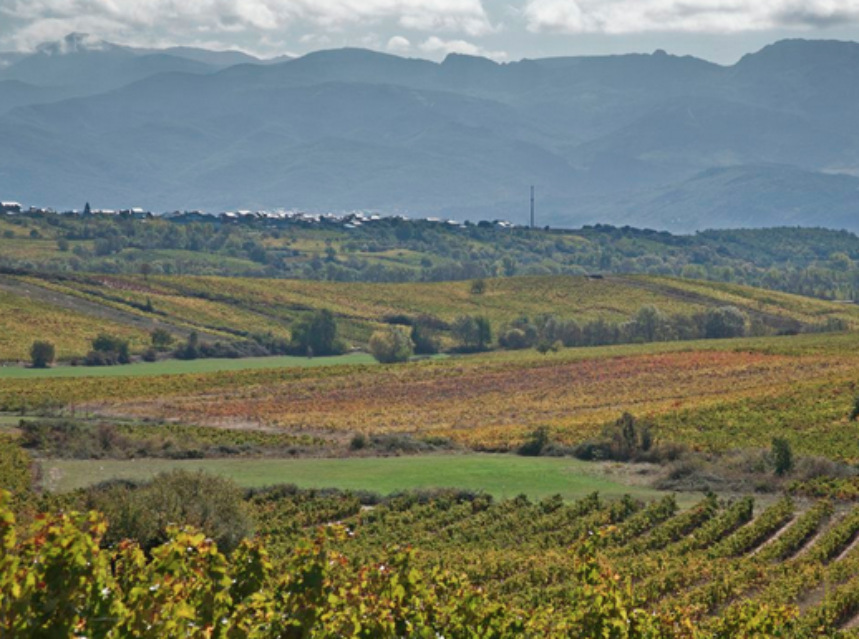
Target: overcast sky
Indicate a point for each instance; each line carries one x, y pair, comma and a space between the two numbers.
718, 30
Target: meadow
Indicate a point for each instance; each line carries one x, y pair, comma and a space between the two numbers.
502, 476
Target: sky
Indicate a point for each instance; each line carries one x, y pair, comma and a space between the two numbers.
505, 30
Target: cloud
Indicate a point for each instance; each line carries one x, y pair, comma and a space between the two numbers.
398, 44
696, 16
41, 20
435, 45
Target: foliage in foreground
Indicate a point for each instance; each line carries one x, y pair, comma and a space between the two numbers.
56, 580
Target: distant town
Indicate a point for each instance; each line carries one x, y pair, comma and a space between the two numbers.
348, 220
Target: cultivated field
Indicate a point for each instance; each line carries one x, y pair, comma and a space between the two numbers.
715, 395
229, 308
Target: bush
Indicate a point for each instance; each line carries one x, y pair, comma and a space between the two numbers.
478, 287
162, 340
42, 354
108, 350
143, 512
514, 339
536, 443
391, 346
191, 349
782, 456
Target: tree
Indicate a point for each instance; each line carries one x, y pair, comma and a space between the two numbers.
782, 456
191, 348
474, 333
423, 338
650, 324
317, 334
108, 350
42, 354
162, 340
724, 322
391, 346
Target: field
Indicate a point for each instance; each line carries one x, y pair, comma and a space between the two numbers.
411, 454
180, 367
716, 395
24, 320
502, 476
231, 308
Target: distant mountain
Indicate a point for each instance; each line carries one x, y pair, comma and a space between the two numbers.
84, 65
737, 197
658, 140
14, 93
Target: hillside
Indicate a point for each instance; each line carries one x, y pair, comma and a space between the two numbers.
360, 248
234, 308
609, 139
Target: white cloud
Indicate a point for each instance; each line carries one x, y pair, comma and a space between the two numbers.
704, 16
399, 44
42, 20
435, 45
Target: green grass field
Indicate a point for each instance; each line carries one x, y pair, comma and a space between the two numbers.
177, 367
503, 476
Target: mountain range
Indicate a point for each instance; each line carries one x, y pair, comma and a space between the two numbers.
655, 140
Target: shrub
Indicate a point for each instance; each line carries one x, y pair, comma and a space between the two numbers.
391, 346
854, 412
536, 443
162, 340
514, 339
191, 349
42, 354
782, 456
144, 512
478, 287
15, 471
108, 350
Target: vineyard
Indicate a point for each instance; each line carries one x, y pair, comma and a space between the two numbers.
718, 395
232, 308
449, 564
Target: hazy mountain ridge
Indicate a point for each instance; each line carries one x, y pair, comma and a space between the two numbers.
632, 138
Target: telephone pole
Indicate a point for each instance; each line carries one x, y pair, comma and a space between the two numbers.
533, 209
